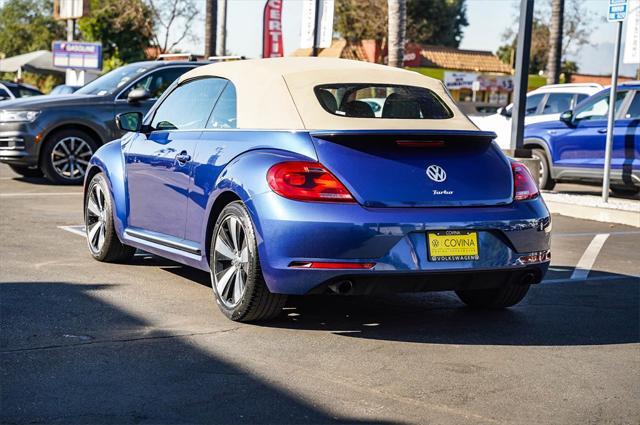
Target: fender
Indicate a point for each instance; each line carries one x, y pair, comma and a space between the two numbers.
245, 176
109, 159
86, 119
534, 141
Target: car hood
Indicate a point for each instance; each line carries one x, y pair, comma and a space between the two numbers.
43, 102
545, 125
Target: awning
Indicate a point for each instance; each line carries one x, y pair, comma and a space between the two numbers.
40, 61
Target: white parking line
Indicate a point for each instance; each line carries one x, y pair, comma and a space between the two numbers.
76, 230
589, 257
28, 194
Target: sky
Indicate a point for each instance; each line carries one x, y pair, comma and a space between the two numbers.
488, 20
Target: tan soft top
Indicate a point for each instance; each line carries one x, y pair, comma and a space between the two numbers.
278, 93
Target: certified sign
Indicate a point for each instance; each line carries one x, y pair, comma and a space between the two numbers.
617, 10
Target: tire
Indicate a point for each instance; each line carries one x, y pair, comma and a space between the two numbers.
102, 239
65, 156
236, 277
506, 296
625, 191
546, 182
25, 171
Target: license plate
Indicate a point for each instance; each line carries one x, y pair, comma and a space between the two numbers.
453, 245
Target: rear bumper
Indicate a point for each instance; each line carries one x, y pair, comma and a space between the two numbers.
385, 283
392, 238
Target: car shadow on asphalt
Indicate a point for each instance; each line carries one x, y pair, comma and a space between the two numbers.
602, 310
559, 314
69, 356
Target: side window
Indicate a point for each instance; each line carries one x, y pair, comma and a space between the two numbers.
157, 82
532, 104
28, 92
188, 106
633, 113
596, 108
557, 103
224, 113
4, 94
580, 98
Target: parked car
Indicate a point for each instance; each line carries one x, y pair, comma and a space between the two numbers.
56, 135
543, 104
274, 177
9, 90
573, 147
63, 89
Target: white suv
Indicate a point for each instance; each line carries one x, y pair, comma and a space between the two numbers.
543, 104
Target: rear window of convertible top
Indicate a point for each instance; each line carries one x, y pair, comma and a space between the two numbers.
381, 101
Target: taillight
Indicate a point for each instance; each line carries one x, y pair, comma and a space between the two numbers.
307, 181
524, 185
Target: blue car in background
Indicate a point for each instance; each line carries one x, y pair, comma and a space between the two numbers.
277, 177
572, 149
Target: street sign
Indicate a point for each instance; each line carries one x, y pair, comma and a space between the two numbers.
617, 10
70, 9
77, 55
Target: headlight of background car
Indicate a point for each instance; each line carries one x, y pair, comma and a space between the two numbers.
18, 116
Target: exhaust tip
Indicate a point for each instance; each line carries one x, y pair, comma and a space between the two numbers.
528, 279
342, 288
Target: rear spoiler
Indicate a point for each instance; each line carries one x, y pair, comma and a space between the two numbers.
416, 136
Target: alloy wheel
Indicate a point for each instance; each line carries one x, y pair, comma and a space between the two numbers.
230, 261
70, 157
96, 218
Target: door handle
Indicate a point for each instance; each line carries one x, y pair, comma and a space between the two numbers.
183, 157
602, 130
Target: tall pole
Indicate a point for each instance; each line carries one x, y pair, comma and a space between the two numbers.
316, 28
221, 49
611, 115
210, 24
523, 50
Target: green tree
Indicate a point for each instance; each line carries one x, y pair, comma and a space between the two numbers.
28, 25
438, 22
578, 25
125, 28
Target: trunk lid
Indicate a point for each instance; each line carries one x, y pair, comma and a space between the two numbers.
417, 168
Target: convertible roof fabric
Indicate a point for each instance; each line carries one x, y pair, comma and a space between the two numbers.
277, 94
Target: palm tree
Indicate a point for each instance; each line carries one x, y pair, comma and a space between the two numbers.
555, 42
221, 50
397, 31
210, 21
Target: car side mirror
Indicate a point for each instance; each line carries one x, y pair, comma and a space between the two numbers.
129, 121
505, 112
567, 118
138, 95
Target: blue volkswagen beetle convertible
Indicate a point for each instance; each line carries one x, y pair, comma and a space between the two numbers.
277, 178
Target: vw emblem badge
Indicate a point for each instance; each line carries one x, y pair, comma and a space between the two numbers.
436, 173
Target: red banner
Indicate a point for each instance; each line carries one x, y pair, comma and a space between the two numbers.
272, 30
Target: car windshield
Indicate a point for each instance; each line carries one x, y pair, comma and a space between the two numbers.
381, 101
114, 80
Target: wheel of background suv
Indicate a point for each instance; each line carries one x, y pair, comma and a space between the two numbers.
625, 190
102, 239
506, 296
25, 171
236, 277
546, 182
65, 156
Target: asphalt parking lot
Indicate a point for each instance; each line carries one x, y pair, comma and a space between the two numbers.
88, 342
